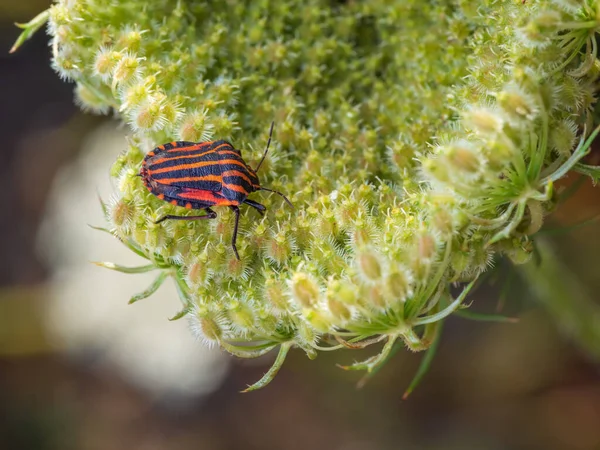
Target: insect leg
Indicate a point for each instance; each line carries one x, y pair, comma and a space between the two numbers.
267, 149
210, 214
278, 193
236, 210
260, 208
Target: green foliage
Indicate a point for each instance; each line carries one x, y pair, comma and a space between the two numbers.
416, 139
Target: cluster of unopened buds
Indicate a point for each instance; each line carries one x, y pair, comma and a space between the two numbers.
417, 143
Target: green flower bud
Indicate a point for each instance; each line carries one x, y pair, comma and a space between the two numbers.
276, 295
149, 116
317, 320
90, 101
105, 62
398, 285
195, 127
563, 136
306, 335
205, 326
130, 39
279, 247
519, 251
126, 69
518, 104
198, 272
121, 214
369, 265
463, 157
484, 121
304, 289
241, 316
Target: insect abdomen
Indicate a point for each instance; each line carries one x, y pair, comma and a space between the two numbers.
214, 167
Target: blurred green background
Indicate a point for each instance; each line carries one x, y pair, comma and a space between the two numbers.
80, 369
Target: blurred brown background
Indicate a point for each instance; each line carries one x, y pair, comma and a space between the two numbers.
80, 369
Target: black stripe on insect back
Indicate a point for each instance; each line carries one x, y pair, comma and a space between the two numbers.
191, 148
177, 144
177, 159
193, 169
181, 156
214, 186
167, 161
234, 183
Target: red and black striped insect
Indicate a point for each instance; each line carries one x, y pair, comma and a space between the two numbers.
201, 175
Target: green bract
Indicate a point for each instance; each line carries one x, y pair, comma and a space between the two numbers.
416, 139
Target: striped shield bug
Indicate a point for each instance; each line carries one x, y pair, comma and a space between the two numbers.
202, 175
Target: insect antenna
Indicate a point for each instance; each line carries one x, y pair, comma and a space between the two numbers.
278, 193
267, 149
